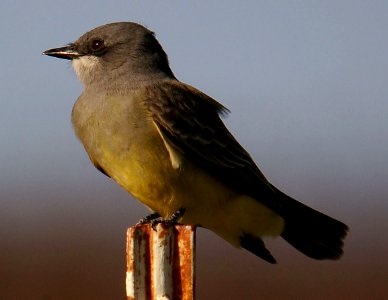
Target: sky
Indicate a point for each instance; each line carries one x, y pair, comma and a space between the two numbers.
306, 83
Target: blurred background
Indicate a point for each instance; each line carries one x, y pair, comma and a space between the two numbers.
307, 85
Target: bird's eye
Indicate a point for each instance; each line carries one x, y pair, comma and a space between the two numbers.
97, 45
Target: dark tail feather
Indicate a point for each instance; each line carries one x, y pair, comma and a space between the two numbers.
311, 232
257, 247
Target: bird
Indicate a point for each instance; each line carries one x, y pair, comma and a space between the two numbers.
165, 143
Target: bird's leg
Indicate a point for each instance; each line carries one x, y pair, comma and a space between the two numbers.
148, 219
171, 220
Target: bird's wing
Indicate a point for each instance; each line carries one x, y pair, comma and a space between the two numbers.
189, 122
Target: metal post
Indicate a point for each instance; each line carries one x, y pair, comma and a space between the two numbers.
160, 263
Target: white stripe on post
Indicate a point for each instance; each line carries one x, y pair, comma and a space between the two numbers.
162, 264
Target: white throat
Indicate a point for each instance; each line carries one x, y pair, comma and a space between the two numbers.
84, 67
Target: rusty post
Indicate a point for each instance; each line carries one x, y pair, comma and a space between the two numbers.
160, 263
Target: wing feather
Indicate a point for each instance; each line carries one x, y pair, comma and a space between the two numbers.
190, 123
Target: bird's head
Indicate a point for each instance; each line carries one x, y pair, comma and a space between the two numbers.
122, 52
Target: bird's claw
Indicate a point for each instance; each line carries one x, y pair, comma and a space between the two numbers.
148, 219
155, 219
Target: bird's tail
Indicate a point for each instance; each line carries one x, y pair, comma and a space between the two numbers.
311, 232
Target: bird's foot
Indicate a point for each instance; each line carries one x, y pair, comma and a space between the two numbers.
148, 219
171, 220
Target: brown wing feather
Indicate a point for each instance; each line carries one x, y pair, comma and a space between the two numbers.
190, 121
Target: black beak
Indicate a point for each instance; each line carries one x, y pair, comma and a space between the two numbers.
66, 52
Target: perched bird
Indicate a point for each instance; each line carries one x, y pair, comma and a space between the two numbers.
164, 142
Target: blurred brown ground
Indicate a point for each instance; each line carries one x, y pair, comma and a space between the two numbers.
77, 251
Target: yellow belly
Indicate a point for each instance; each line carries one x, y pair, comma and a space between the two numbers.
144, 171
120, 137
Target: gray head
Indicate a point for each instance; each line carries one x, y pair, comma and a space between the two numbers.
121, 53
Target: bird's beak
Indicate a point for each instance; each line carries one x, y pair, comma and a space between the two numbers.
66, 52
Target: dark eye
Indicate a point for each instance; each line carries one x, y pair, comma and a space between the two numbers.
97, 45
